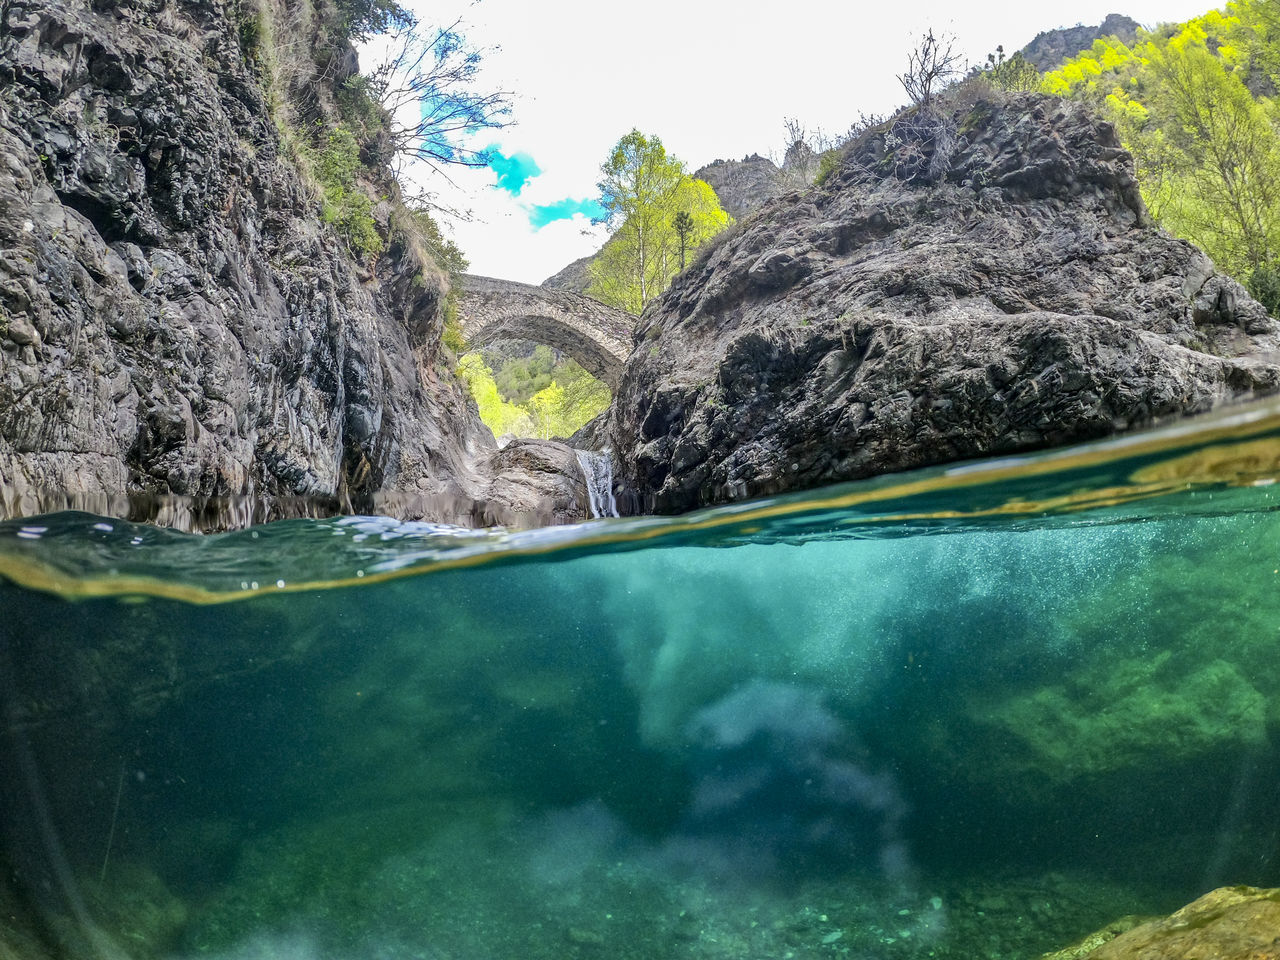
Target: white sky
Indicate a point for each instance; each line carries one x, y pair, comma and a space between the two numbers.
712, 79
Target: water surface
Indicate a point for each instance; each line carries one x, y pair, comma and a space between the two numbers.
975, 712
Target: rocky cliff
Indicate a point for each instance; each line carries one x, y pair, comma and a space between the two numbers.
743, 186
175, 319
1051, 47
573, 278
978, 279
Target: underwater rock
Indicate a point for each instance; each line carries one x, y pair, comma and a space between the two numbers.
982, 281
1135, 715
1230, 923
1085, 946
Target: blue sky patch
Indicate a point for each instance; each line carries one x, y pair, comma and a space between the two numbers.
513, 171
540, 214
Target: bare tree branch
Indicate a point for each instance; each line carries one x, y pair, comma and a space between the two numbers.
426, 84
929, 67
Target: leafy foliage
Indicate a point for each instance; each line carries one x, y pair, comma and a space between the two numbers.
828, 163
447, 254
345, 204
413, 225
498, 415
361, 113
362, 19
643, 191
1013, 74
520, 377
1264, 284
1206, 147
534, 396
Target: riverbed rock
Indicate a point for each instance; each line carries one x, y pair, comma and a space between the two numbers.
175, 317
1230, 923
975, 279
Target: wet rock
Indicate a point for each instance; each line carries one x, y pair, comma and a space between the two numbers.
1085, 946
1116, 716
972, 283
1230, 923
535, 482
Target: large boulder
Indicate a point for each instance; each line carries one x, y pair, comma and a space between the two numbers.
974, 279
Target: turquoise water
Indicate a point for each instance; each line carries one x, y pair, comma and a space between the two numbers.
963, 713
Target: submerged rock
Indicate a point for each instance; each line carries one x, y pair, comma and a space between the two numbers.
977, 281
1230, 923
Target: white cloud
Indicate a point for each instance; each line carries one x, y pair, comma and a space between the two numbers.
500, 241
712, 79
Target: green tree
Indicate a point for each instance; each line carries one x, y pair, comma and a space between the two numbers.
641, 190
1224, 184
535, 395
498, 415
546, 408
519, 378
683, 223
1205, 147
364, 18
585, 397
1259, 40
1015, 73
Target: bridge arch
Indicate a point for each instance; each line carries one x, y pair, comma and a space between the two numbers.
595, 335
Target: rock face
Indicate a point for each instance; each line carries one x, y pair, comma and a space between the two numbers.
979, 280
1051, 47
174, 318
573, 278
743, 186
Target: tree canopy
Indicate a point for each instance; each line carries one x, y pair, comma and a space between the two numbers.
1193, 103
659, 215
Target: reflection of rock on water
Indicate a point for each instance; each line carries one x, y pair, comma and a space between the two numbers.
775, 786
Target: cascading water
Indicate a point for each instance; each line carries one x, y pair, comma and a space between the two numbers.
597, 467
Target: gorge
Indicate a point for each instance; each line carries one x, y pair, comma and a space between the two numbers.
895, 651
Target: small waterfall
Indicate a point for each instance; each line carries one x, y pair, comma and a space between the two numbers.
597, 467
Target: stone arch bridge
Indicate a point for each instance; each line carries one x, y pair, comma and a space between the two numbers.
595, 335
